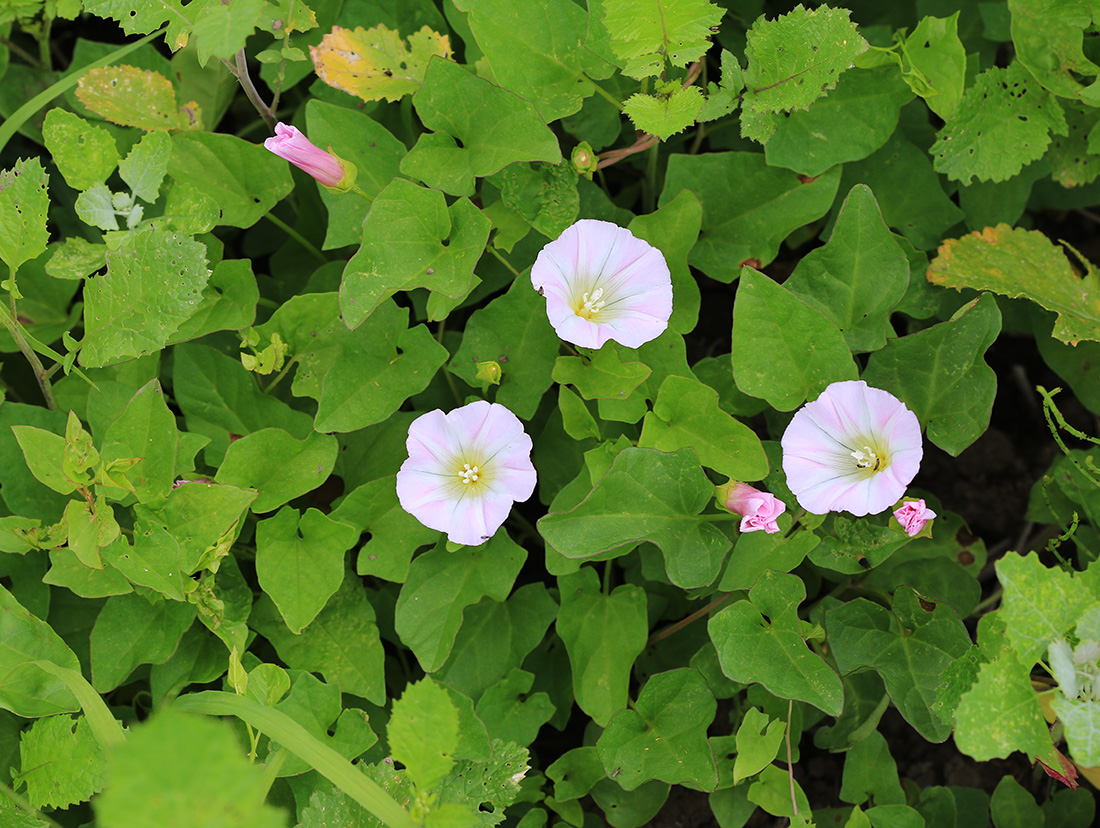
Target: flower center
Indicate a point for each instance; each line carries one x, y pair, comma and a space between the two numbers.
468, 474
591, 304
867, 459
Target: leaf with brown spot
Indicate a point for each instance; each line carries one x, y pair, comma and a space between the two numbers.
130, 96
1015, 262
377, 63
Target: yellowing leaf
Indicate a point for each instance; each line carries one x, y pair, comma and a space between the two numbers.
141, 98
376, 63
1016, 262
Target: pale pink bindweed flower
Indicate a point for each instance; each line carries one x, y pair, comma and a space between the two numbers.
913, 515
758, 509
853, 449
465, 469
326, 167
601, 283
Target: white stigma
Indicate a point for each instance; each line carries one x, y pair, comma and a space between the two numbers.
594, 304
469, 473
866, 458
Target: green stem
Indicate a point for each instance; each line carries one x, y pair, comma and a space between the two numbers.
607, 578
649, 189
22, 802
298, 237
291, 735
695, 616
19, 50
44, 44
290, 363
24, 113
500, 258
446, 372
272, 766
16, 331
603, 93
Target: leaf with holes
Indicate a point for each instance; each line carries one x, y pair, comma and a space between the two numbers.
377, 63
646, 33
129, 96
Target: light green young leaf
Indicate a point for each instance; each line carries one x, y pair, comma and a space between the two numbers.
760, 640
85, 153
442, 584
423, 733
496, 781
1082, 723
665, 115
646, 33
1003, 122
871, 774
758, 739
300, 561
145, 430
23, 205
792, 61
61, 761
603, 634
25, 688
145, 166
602, 375
44, 452
663, 735
935, 51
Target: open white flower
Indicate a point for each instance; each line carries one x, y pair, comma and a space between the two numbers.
854, 449
465, 469
601, 283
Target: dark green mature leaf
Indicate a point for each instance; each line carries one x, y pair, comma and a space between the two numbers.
758, 551
855, 119
228, 302
1048, 36
496, 636
748, 207
512, 330
300, 562
759, 640
494, 127
26, 689
664, 735
153, 282
511, 712
646, 495
278, 466
423, 733
646, 33
342, 642
535, 49
61, 761
784, 350
939, 373
909, 647
673, 229
394, 533
244, 179
1016, 262
545, 195
412, 239
176, 769
130, 630
146, 429
358, 138
85, 153
603, 634
859, 276
794, 60
1003, 122
23, 205
442, 584
1000, 713
856, 546
686, 414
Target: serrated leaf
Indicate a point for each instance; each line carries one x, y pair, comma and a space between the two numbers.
85, 153
412, 239
496, 781
1016, 262
144, 167
148, 17
492, 126
129, 96
221, 29
23, 205
603, 634
760, 640
1003, 122
941, 374
646, 33
665, 115
663, 735
61, 761
377, 63
1082, 723
154, 280
423, 733
442, 584
909, 647
792, 61
1000, 713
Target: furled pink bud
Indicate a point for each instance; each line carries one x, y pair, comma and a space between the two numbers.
326, 167
758, 509
912, 515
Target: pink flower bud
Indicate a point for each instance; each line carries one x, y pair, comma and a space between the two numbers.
758, 509
326, 167
912, 515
